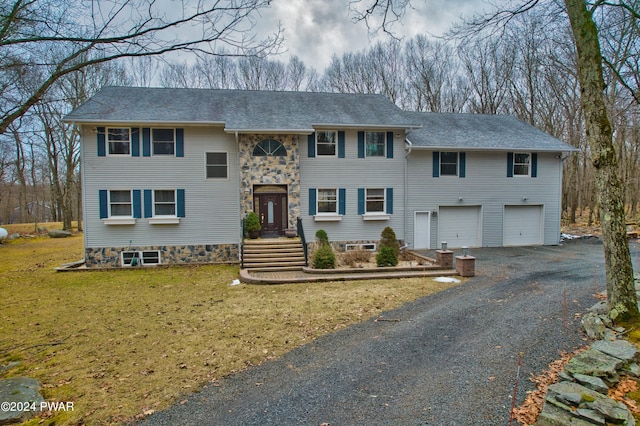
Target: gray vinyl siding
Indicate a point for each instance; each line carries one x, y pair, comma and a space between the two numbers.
212, 206
352, 173
486, 184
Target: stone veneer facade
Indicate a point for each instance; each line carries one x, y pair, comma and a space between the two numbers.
110, 257
260, 170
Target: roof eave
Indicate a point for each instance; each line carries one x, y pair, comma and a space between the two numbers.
142, 122
301, 131
502, 149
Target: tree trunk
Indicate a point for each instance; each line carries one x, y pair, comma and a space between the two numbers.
620, 286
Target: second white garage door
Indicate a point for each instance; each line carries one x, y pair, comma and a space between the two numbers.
523, 225
459, 226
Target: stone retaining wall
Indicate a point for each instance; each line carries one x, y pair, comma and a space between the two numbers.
110, 257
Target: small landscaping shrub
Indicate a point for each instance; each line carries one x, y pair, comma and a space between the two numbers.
387, 256
388, 239
322, 237
324, 257
388, 248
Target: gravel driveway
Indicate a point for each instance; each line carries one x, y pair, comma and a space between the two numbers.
449, 359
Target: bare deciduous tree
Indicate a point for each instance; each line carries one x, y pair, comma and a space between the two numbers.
43, 40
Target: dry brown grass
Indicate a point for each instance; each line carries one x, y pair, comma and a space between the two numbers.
120, 344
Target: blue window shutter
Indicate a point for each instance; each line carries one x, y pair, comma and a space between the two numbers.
463, 165
104, 208
180, 143
436, 164
509, 164
312, 201
311, 145
360, 144
389, 200
137, 207
180, 201
341, 144
342, 201
102, 144
135, 142
534, 165
361, 200
148, 203
146, 142
389, 144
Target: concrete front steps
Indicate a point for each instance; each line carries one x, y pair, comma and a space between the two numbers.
274, 254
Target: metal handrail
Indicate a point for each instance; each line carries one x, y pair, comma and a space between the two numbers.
302, 240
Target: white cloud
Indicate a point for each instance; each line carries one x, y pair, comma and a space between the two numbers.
317, 29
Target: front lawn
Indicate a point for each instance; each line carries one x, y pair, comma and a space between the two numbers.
121, 344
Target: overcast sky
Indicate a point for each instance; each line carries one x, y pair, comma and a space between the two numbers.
316, 29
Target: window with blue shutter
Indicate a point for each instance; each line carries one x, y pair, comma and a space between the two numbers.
179, 142
137, 206
534, 165
312, 201
102, 143
180, 201
389, 200
104, 206
342, 201
509, 164
148, 203
146, 142
360, 144
361, 200
389, 144
311, 145
340, 144
135, 142
436, 164
462, 172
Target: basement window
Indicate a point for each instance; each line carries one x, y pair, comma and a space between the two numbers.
367, 247
137, 258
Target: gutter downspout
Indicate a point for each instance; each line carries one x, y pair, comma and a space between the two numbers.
241, 242
406, 189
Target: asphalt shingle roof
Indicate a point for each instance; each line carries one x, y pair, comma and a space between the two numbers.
300, 112
480, 132
241, 110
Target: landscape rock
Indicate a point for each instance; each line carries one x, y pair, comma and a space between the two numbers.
581, 395
58, 233
20, 390
593, 383
593, 325
620, 349
595, 363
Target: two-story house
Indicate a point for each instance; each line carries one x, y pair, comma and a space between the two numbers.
169, 174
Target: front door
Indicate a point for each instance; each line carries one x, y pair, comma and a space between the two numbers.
271, 208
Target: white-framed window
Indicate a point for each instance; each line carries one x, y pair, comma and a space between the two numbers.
326, 142
163, 141
375, 200
119, 140
269, 148
216, 165
327, 201
521, 164
120, 204
448, 164
137, 258
364, 246
164, 202
375, 144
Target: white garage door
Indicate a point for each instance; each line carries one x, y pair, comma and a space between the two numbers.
523, 225
459, 226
